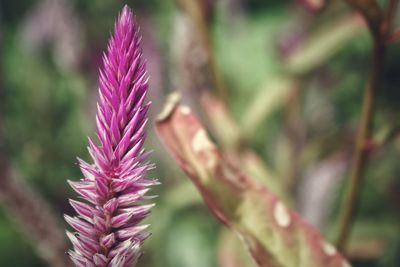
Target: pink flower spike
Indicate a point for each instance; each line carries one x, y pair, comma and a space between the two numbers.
107, 224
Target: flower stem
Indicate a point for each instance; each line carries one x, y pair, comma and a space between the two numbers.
390, 12
197, 10
362, 151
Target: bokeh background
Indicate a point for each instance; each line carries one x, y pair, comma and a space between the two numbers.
293, 80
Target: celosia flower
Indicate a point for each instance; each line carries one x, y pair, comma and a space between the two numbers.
107, 226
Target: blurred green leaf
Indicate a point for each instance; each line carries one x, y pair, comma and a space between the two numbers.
323, 44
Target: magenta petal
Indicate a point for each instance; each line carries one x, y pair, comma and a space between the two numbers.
118, 260
101, 187
89, 194
78, 246
84, 210
89, 244
100, 224
129, 199
129, 231
111, 206
121, 219
77, 259
108, 240
79, 225
121, 248
138, 210
100, 259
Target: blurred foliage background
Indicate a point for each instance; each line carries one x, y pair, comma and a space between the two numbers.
294, 80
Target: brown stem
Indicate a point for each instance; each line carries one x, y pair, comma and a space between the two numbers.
361, 152
33, 216
388, 18
390, 12
197, 10
295, 136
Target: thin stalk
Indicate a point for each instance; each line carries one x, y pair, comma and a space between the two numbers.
390, 12
295, 136
389, 15
197, 11
361, 153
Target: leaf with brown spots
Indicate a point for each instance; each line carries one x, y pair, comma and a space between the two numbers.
274, 234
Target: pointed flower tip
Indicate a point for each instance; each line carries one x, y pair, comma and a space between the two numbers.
126, 16
126, 9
